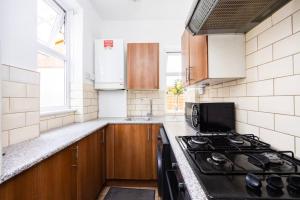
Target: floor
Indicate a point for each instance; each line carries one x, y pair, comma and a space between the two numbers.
105, 190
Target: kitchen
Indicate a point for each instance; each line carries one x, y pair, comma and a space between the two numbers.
149, 100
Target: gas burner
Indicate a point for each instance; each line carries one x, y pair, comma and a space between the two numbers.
259, 160
236, 140
218, 157
274, 158
200, 140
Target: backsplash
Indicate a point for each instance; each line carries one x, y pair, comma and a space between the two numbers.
20, 105
268, 99
56, 121
139, 102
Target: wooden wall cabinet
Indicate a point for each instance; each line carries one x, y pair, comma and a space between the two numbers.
143, 66
212, 59
131, 151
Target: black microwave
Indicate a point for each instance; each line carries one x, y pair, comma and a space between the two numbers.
211, 117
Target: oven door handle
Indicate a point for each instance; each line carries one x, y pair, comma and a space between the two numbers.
170, 189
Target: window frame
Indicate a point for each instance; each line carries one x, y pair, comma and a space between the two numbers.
44, 49
180, 74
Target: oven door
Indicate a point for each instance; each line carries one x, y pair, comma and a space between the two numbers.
176, 186
163, 164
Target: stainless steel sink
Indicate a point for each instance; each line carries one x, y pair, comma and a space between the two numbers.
138, 119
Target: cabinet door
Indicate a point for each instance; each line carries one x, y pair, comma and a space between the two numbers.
143, 66
87, 168
57, 176
132, 152
154, 133
110, 149
100, 159
198, 58
185, 57
23, 186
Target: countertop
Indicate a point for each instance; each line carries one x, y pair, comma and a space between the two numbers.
22, 156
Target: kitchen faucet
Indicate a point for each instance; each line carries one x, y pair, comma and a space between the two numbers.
150, 114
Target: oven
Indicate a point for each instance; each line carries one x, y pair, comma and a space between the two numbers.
163, 164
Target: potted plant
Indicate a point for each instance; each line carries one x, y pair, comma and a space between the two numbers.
177, 90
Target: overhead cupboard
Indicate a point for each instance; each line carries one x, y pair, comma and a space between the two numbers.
211, 59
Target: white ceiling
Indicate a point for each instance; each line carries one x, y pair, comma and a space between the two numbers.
142, 9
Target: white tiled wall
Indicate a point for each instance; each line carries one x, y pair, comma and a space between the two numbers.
139, 102
84, 99
268, 99
20, 105
56, 121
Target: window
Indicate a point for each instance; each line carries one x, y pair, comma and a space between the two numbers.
52, 56
175, 97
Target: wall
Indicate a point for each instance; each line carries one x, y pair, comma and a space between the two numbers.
168, 34
18, 33
20, 106
268, 99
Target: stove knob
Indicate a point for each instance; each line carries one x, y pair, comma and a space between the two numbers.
253, 181
181, 186
294, 181
275, 182
174, 165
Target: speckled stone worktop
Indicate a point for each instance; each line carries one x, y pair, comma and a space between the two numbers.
22, 156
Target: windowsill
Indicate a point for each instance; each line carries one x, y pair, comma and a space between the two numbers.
56, 112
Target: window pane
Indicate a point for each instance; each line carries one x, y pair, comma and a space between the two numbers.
52, 79
174, 63
51, 25
171, 80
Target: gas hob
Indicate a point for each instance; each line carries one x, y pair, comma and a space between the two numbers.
234, 166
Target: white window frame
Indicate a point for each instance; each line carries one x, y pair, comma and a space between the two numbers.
44, 49
166, 86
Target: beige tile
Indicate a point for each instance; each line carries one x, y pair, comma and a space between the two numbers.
297, 142
275, 33
12, 121
297, 105
251, 46
287, 85
213, 93
259, 57
241, 115
286, 11
238, 90
68, 119
265, 120
22, 134
278, 140
32, 118
5, 105
260, 88
244, 128
252, 74
247, 103
24, 76
43, 126
297, 63
54, 123
266, 24
275, 69
224, 92
24, 104
4, 72
296, 22
33, 90
13, 89
277, 104
286, 47
5, 139
229, 83
287, 124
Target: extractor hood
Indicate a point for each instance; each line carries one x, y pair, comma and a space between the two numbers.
230, 16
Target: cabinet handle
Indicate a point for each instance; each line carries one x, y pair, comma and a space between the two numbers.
103, 137
148, 134
76, 156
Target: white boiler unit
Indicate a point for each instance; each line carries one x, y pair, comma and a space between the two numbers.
109, 64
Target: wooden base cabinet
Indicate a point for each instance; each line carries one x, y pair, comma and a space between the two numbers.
77, 172
131, 152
